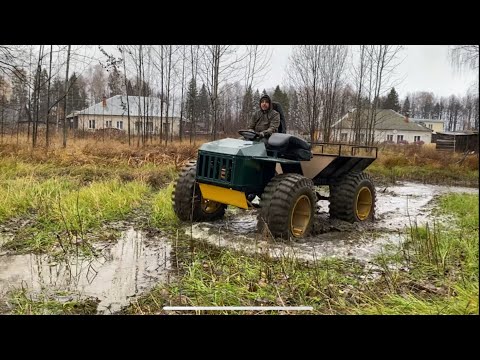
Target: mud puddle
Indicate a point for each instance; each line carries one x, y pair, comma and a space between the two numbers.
120, 271
397, 208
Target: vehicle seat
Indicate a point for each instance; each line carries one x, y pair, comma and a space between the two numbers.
289, 146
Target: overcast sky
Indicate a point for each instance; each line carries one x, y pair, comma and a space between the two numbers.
425, 68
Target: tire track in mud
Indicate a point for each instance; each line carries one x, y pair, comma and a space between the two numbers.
398, 207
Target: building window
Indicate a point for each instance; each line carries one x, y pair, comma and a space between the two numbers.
362, 138
343, 136
389, 137
399, 138
109, 123
430, 126
416, 138
91, 124
150, 127
120, 125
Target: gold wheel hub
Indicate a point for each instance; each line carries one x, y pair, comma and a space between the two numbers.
301, 215
210, 206
363, 203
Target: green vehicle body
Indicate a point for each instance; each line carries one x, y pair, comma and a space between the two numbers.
251, 168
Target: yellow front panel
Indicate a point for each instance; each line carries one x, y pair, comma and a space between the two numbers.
224, 196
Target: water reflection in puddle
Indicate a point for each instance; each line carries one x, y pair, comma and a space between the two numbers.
122, 270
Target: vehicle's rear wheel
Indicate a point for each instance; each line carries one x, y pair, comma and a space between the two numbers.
353, 199
188, 203
287, 206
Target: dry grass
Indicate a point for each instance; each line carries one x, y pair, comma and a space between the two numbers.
411, 155
106, 151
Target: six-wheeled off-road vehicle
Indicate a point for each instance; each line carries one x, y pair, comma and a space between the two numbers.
283, 173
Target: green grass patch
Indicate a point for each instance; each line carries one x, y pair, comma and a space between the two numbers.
462, 301
66, 212
163, 215
27, 193
23, 304
221, 277
443, 266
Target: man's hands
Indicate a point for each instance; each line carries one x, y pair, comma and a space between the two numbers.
260, 134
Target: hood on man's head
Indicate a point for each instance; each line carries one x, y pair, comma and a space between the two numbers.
265, 96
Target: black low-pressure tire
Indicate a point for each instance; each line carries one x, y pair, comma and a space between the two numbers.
287, 206
188, 203
353, 199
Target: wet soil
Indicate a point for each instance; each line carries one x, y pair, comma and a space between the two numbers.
397, 207
126, 267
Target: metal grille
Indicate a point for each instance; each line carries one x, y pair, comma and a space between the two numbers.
215, 168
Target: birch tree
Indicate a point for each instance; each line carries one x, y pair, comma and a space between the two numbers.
305, 75
220, 64
65, 100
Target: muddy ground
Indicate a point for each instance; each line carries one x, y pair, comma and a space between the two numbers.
139, 259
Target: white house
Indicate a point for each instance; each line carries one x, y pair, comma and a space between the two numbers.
113, 113
389, 125
433, 124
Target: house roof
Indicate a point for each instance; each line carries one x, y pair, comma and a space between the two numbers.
428, 120
458, 133
386, 119
117, 105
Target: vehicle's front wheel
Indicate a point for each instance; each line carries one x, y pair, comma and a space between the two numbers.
188, 203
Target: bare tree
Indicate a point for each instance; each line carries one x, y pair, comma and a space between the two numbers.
359, 77
256, 64
304, 73
464, 56
182, 105
47, 140
65, 100
12, 59
36, 95
383, 61
194, 64
221, 63
122, 52
3, 102
333, 58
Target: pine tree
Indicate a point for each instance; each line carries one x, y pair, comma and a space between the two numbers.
77, 96
436, 111
248, 108
406, 107
293, 113
392, 101
191, 100
43, 95
19, 96
204, 107
256, 100
130, 89
282, 98
115, 82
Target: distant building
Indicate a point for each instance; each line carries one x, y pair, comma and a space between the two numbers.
434, 125
459, 141
113, 113
389, 125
